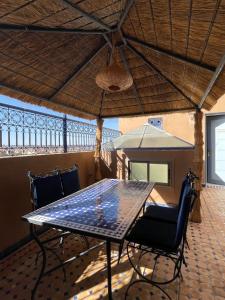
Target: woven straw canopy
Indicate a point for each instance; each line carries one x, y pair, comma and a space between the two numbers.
51, 52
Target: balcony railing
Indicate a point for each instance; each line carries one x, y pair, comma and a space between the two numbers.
25, 132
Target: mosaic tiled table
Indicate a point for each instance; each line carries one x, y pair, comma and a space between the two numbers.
105, 210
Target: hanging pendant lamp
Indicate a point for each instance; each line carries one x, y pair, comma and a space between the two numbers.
114, 78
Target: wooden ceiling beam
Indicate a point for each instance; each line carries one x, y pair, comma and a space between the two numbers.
78, 70
107, 40
170, 54
125, 13
150, 65
32, 28
86, 15
216, 74
45, 100
135, 91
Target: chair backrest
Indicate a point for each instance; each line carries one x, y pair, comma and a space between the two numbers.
183, 215
45, 189
70, 180
190, 177
184, 183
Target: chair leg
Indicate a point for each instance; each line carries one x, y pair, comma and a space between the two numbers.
144, 281
37, 257
59, 259
158, 284
187, 244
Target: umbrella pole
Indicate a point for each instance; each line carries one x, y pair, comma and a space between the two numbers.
97, 156
198, 165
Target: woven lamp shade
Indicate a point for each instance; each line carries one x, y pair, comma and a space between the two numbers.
114, 78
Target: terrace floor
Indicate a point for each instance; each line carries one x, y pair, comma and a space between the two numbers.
204, 278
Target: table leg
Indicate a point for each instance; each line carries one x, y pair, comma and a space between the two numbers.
109, 272
43, 262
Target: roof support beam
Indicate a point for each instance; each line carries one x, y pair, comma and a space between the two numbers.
148, 113
45, 100
86, 15
213, 80
78, 69
168, 53
32, 28
150, 65
125, 13
135, 91
107, 40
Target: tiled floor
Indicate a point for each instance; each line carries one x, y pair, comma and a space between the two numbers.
86, 278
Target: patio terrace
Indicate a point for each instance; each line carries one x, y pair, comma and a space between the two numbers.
51, 53
204, 277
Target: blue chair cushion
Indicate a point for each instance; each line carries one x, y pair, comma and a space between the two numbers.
164, 213
70, 181
160, 234
46, 190
153, 233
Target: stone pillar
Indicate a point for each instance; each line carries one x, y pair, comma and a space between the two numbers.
98, 175
198, 164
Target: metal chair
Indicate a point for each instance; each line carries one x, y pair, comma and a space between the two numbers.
48, 188
70, 180
162, 239
169, 213
45, 189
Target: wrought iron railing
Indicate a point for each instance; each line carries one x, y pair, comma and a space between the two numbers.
29, 132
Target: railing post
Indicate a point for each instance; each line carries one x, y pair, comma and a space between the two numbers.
65, 134
98, 175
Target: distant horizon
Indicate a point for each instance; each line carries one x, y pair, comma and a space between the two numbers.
109, 123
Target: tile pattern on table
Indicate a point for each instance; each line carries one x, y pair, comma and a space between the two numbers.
204, 278
107, 208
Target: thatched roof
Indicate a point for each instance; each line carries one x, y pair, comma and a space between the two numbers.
51, 51
148, 137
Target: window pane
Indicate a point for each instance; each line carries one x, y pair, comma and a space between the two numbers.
139, 171
159, 173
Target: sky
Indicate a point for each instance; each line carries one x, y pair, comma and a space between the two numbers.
109, 123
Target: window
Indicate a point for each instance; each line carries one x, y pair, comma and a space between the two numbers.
139, 171
157, 172
157, 122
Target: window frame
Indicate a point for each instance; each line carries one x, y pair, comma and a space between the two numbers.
148, 162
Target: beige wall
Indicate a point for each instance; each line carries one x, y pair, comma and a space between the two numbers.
179, 124
180, 162
15, 196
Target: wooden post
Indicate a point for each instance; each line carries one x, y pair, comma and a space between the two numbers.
98, 175
198, 165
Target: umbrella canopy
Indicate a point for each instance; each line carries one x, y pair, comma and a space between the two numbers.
51, 52
149, 137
